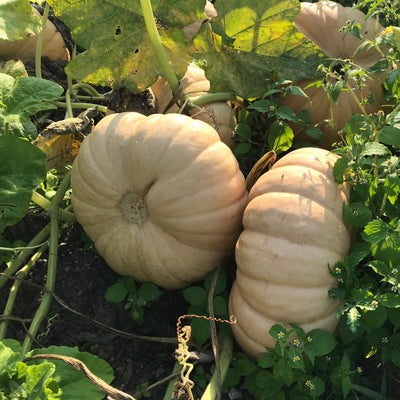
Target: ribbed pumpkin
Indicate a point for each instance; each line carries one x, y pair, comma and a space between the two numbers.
292, 231
161, 196
219, 115
321, 22
53, 45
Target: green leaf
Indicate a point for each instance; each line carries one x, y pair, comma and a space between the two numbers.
390, 300
373, 319
373, 148
262, 106
73, 384
283, 373
295, 358
286, 113
265, 360
278, 332
358, 129
295, 90
116, 293
390, 135
10, 354
17, 20
395, 357
346, 382
315, 133
357, 214
392, 187
195, 295
170, 12
379, 267
340, 167
22, 97
280, 136
149, 292
220, 286
321, 342
336, 88
22, 167
39, 380
220, 307
246, 367
375, 231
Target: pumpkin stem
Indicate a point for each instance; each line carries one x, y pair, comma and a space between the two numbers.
259, 167
157, 45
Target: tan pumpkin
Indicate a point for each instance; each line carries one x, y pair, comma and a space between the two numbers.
321, 22
292, 231
53, 45
160, 196
219, 115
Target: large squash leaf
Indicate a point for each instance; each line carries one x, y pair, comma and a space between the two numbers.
244, 47
118, 49
17, 20
251, 43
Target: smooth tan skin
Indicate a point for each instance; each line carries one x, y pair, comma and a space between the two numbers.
293, 229
320, 22
219, 115
161, 196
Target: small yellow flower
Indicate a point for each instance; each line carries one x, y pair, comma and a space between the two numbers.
338, 270
385, 339
375, 304
395, 271
281, 335
359, 370
296, 342
309, 340
296, 358
394, 289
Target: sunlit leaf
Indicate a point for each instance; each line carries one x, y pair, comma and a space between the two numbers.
17, 20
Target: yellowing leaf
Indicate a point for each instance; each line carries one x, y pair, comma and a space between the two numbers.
61, 150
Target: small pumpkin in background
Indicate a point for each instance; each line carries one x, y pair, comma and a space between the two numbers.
220, 115
322, 23
54, 45
161, 196
292, 230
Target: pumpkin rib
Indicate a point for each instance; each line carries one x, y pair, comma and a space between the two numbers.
286, 303
258, 272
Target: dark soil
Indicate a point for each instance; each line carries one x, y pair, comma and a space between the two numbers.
82, 280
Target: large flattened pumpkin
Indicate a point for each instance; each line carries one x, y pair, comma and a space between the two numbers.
161, 197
